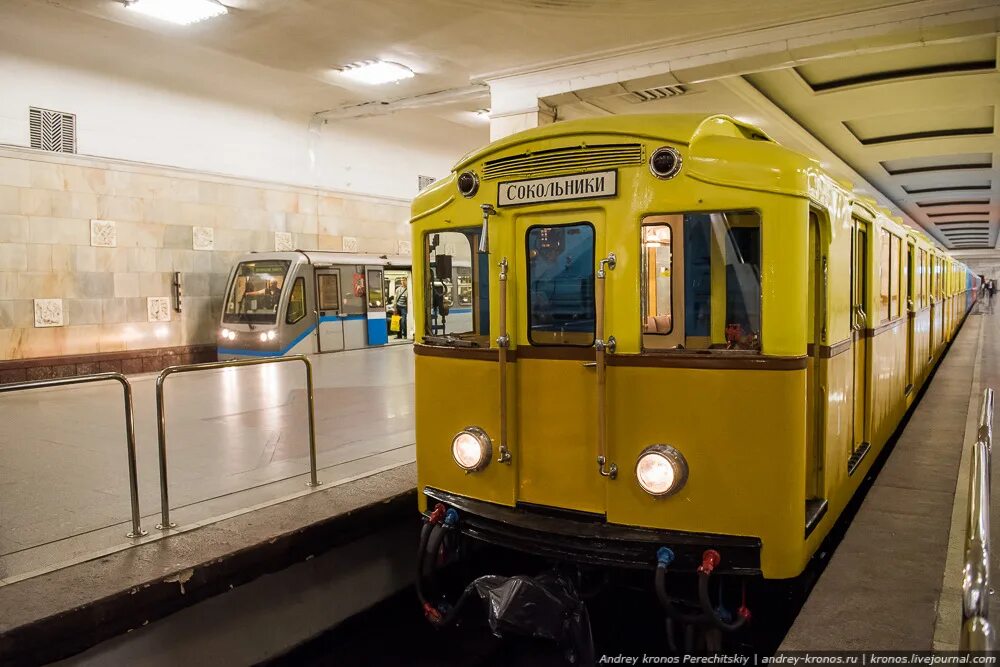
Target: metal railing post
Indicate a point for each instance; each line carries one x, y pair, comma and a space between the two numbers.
977, 632
133, 478
161, 420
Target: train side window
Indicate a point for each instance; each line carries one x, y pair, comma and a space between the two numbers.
722, 267
455, 297
296, 302
657, 271
353, 291
894, 282
561, 309
375, 288
329, 291
885, 271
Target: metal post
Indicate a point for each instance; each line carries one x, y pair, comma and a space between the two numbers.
161, 420
977, 632
133, 478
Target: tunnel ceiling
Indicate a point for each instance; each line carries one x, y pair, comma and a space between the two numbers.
919, 123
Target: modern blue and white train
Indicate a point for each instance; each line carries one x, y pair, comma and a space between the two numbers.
304, 302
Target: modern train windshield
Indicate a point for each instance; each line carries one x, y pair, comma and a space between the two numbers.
255, 292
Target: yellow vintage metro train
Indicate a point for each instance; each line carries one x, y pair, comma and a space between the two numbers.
688, 345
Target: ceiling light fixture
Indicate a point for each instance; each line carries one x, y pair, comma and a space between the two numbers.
376, 72
181, 12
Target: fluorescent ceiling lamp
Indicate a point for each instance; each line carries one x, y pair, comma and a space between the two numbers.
181, 12
375, 72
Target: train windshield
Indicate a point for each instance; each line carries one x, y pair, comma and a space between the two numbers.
456, 302
255, 293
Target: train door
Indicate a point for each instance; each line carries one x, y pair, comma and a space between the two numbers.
558, 419
860, 346
815, 398
910, 280
331, 325
378, 328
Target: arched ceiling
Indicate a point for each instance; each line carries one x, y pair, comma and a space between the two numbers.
919, 123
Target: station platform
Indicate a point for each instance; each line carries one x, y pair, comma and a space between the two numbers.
894, 580
238, 462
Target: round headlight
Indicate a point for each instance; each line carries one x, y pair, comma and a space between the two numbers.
224, 333
661, 470
472, 449
263, 337
468, 183
272, 334
232, 335
665, 162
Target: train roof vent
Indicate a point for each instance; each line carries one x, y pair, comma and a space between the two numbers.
52, 130
652, 94
557, 160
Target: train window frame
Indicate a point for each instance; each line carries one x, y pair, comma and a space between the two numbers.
593, 273
678, 259
479, 333
895, 277
298, 283
644, 276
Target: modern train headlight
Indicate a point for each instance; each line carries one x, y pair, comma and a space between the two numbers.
228, 335
661, 470
272, 334
263, 337
468, 183
472, 449
665, 162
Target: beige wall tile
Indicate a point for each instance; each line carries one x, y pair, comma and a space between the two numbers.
63, 231
13, 257
10, 199
126, 284
17, 314
36, 202
63, 257
39, 257
13, 228
111, 337
141, 259
83, 311
45, 176
74, 205
15, 172
113, 311
121, 209
94, 285
140, 234
154, 284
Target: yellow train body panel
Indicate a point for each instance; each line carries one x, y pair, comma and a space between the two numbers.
846, 338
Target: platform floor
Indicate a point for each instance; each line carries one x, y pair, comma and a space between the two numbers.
893, 581
236, 438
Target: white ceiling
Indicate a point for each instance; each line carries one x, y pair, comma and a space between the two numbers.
920, 123
287, 48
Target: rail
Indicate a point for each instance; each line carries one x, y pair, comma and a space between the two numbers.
161, 419
133, 483
977, 632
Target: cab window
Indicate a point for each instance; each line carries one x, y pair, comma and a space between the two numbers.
255, 292
701, 281
296, 302
561, 285
456, 289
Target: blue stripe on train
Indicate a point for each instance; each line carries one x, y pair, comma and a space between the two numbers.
298, 339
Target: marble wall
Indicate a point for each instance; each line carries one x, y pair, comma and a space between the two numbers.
88, 247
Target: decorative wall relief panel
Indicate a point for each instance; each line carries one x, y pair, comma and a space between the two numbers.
158, 309
351, 244
48, 313
103, 234
283, 241
204, 238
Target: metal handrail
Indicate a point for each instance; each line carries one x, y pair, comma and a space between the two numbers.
133, 482
977, 632
161, 419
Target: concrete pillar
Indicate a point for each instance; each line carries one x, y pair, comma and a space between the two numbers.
506, 123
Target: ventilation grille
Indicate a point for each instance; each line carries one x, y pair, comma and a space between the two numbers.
52, 130
652, 94
555, 160
424, 181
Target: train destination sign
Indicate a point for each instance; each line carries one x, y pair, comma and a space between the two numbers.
558, 188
